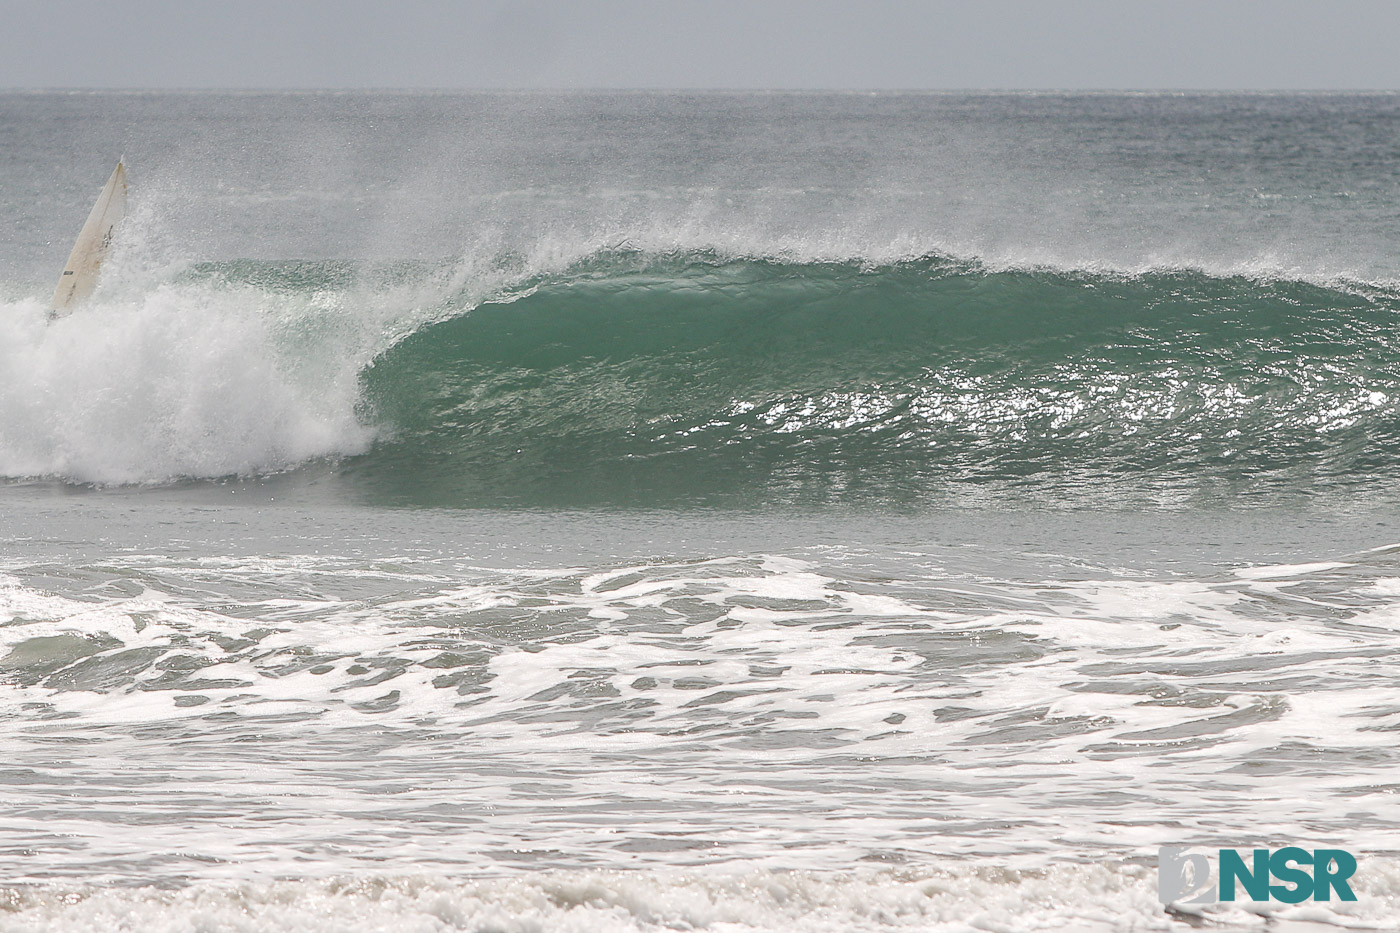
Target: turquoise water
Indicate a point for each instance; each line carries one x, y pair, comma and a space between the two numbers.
664, 511
684, 381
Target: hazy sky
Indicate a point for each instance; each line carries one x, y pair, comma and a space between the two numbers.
1254, 44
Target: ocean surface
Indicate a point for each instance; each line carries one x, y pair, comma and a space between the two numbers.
731, 512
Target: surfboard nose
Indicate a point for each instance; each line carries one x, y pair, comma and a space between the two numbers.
79, 278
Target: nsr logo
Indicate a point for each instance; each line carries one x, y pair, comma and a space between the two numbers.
1186, 878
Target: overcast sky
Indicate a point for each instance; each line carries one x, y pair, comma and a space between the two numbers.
868, 44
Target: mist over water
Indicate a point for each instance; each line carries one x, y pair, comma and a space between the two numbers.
695, 511
1266, 183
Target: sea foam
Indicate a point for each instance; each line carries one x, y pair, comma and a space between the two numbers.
179, 381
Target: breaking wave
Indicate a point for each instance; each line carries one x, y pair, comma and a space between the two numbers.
628, 378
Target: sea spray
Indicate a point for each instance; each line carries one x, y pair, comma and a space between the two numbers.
183, 382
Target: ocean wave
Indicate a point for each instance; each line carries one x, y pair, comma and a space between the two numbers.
619, 376
699, 379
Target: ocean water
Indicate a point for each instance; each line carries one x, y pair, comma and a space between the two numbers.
730, 512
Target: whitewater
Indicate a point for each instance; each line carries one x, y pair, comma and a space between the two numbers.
529, 511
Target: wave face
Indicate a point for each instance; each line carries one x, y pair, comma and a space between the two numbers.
696, 379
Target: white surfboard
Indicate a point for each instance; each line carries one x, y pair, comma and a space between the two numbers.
80, 273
